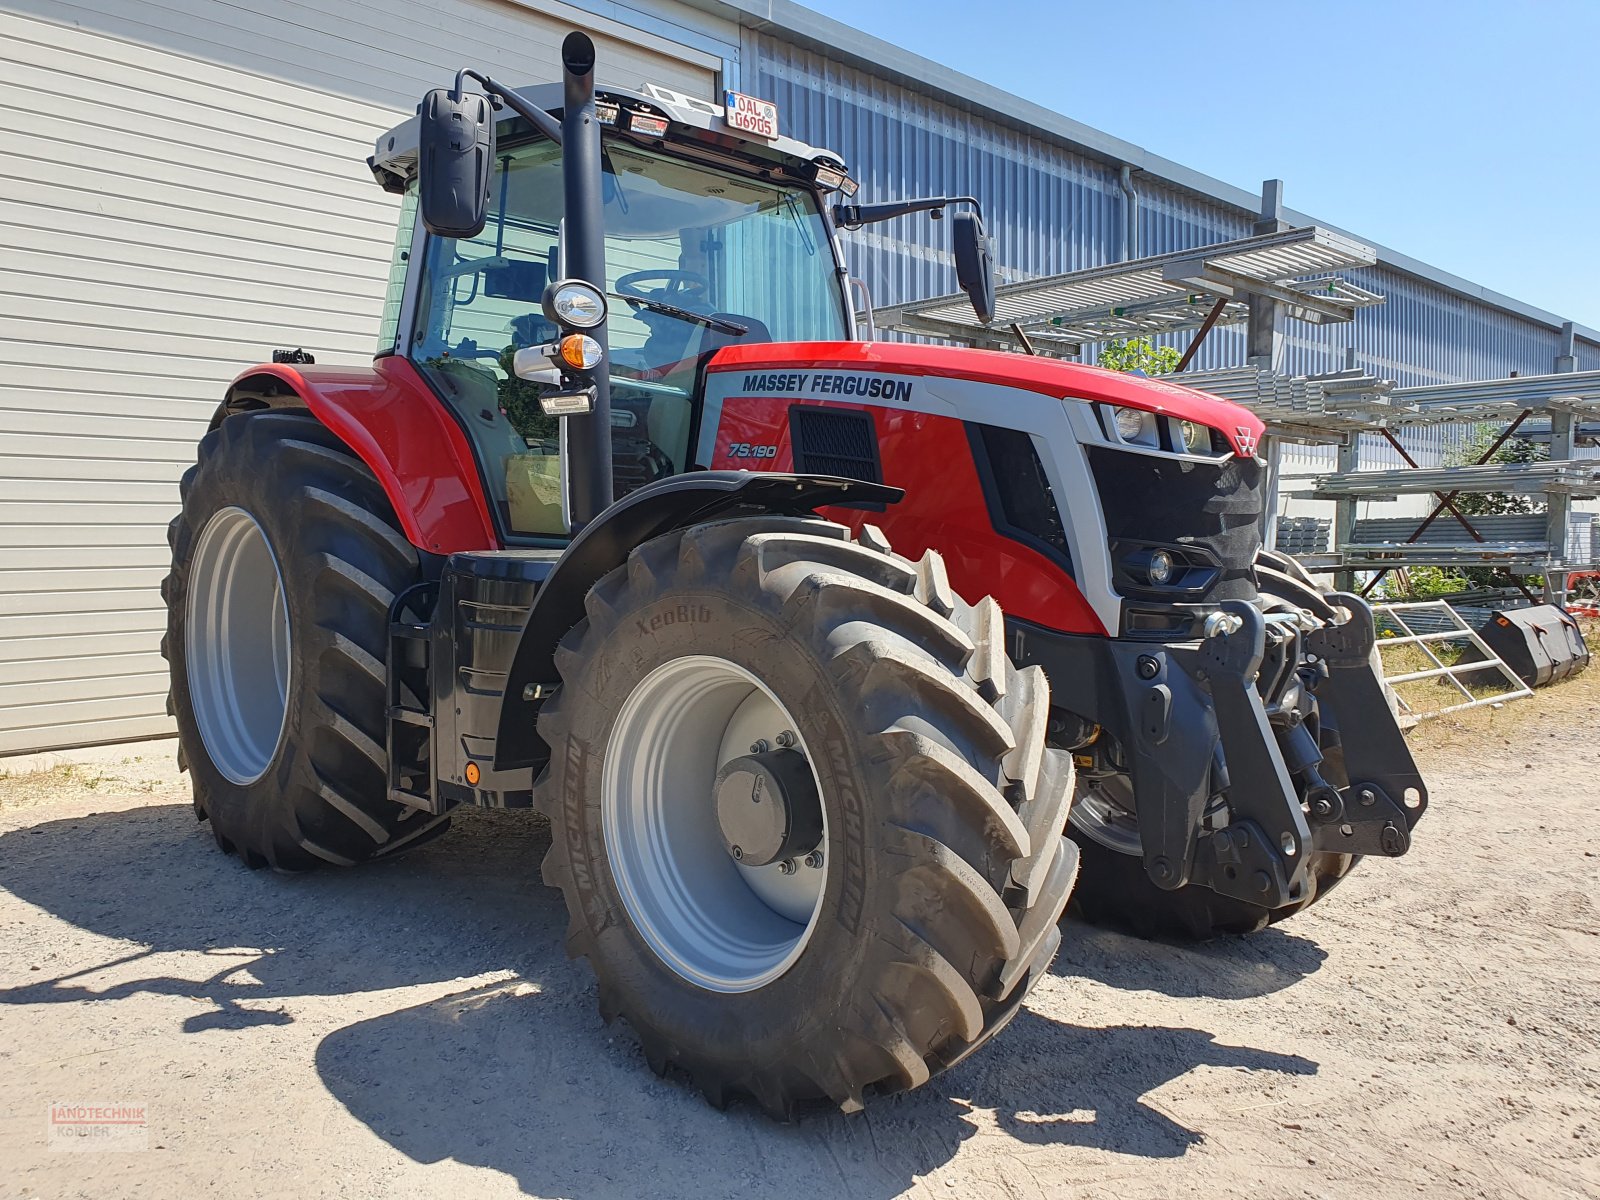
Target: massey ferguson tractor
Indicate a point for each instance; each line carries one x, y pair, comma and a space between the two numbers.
605, 530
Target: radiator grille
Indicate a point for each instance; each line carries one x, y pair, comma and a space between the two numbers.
1213, 509
830, 441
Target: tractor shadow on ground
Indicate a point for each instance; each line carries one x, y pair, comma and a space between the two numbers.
521, 1076
467, 904
1228, 968
528, 1086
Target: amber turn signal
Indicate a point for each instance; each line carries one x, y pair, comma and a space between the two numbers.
580, 351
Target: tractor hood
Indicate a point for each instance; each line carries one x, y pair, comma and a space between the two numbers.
1050, 376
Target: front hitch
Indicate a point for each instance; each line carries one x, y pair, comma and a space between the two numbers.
1384, 795
1262, 854
1296, 779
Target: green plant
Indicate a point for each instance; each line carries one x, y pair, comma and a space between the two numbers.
1139, 354
1515, 450
1423, 583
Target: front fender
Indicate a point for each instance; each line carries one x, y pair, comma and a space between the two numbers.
605, 543
390, 419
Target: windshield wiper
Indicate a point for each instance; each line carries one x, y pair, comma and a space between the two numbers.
733, 328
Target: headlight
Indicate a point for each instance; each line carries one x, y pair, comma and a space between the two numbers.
1196, 438
1135, 426
1159, 567
574, 304
1153, 568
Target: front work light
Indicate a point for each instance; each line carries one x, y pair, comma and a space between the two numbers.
580, 352
1135, 426
574, 304
1150, 568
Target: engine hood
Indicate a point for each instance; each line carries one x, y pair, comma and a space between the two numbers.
1051, 376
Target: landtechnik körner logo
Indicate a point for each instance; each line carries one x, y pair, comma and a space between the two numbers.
97, 1125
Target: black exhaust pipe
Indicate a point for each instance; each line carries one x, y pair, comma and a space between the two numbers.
590, 489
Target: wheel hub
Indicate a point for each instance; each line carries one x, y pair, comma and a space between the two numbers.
236, 641
692, 739
768, 807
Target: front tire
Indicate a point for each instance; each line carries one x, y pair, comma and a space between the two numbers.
285, 559
931, 907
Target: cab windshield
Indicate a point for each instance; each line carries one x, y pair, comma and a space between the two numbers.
696, 259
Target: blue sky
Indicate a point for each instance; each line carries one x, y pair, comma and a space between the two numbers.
1461, 132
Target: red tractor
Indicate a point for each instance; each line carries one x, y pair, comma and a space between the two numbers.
604, 530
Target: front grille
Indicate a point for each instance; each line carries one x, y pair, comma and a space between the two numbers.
1207, 514
834, 441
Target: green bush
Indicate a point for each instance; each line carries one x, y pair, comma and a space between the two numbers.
1139, 354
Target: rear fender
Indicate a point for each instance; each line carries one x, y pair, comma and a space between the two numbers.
390, 419
604, 544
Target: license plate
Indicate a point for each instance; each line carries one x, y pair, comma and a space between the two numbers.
751, 115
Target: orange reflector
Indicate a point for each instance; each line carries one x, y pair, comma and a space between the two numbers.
473, 774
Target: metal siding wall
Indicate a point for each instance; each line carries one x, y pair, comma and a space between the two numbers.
1053, 210
901, 141
186, 210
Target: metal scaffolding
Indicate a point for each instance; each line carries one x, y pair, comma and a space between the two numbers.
1195, 289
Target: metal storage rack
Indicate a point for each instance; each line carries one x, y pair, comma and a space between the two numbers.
1521, 544
1258, 281
1196, 289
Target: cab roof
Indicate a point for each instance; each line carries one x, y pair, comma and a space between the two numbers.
692, 120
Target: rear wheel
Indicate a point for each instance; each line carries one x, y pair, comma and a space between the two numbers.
803, 815
285, 559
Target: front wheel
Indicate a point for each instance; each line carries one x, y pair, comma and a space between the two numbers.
803, 814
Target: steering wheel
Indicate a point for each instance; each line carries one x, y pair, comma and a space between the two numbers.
681, 288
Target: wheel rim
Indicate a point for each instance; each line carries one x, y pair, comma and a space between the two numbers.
718, 923
236, 642
1103, 810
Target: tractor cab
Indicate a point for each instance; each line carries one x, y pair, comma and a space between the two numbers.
712, 238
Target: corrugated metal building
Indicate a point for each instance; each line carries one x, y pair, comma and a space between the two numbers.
196, 194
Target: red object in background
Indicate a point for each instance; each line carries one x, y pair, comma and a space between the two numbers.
944, 509
1240, 426
392, 421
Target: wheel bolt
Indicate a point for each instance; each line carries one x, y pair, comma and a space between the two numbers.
786, 867
786, 738
814, 859
738, 853
759, 747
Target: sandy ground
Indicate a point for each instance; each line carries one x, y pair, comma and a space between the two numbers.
413, 1029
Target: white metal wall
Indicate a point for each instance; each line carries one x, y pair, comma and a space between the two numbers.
201, 198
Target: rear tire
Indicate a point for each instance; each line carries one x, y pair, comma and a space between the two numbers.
314, 524
943, 873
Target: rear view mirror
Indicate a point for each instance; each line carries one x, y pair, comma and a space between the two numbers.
455, 160
975, 263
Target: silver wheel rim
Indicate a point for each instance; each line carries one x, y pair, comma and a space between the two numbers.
720, 924
236, 641
1103, 810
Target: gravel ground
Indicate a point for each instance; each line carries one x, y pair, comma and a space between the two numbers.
413, 1028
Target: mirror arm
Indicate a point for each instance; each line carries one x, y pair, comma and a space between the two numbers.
854, 216
535, 116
